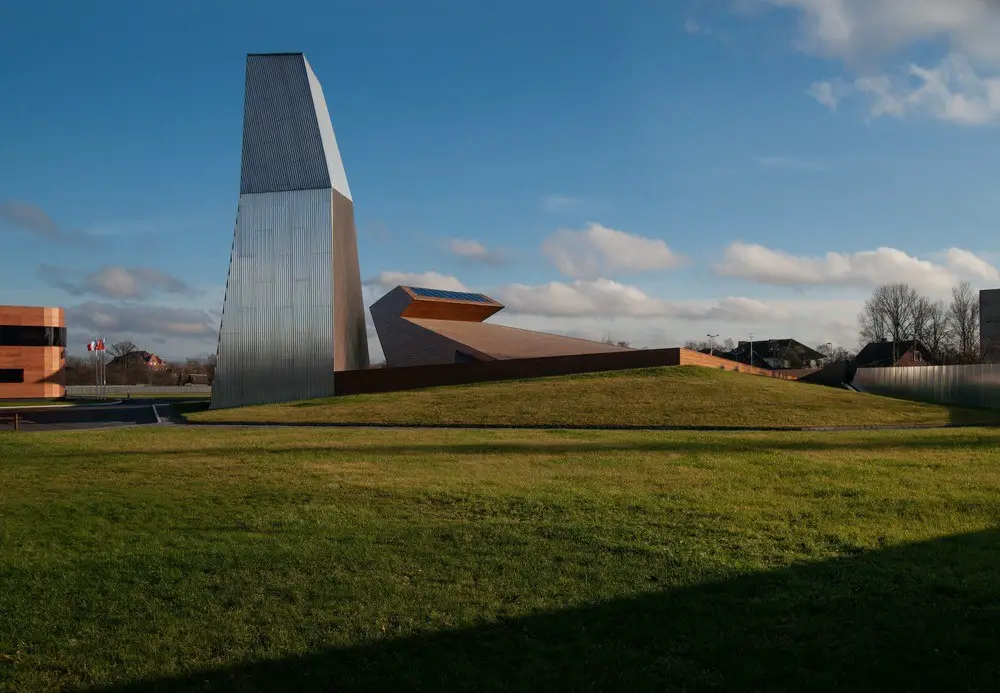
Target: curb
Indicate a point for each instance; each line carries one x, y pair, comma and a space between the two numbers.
570, 427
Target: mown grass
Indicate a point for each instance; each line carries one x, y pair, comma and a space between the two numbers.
14, 404
345, 559
678, 396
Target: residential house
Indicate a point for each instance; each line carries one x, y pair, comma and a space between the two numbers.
134, 359
775, 354
902, 353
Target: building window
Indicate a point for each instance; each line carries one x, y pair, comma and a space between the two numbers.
11, 375
32, 336
462, 357
917, 357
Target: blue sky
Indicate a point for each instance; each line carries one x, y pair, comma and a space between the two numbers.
652, 171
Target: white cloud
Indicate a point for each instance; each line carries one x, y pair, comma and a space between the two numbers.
963, 88
115, 282
607, 298
865, 269
953, 91
375, 287
826, 94
811, 321
858, 30
141, 320
562, 204
600, 251
968, 264
790, 163
476, 252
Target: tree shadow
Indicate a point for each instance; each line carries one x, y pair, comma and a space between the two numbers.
919, 617
721, 444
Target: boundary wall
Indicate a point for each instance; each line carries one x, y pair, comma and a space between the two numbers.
415, 377
976, 385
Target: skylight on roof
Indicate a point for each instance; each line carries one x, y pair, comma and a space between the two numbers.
453, 295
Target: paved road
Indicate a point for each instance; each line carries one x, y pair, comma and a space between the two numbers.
92, 416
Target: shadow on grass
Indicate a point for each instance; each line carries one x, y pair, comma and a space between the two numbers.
965, 416
957, 416
920, 617
650, 443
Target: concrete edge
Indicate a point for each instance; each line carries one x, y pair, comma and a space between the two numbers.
570, 427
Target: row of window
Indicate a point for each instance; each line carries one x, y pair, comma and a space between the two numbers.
32, 336
11, 375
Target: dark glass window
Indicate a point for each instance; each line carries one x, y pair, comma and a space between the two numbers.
32, 336
462, 357
11, 375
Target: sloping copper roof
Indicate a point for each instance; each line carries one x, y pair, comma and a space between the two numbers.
502, 342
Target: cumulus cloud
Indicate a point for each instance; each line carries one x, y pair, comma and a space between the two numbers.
962, 88
474, 251
865, 269
31, 219
953, 91
811, 321
607, 298
598, 251
114, 282
144, 320
383, 282
859, 30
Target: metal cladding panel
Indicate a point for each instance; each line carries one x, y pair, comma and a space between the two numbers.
283, 146
989, 324
277, 338
976, 385
334, 164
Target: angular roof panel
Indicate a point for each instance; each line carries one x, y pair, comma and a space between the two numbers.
288, 140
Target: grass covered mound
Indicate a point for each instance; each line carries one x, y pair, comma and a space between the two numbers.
675, 396
172, 559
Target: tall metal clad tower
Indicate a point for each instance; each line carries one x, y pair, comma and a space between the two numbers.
989, 325
293, 312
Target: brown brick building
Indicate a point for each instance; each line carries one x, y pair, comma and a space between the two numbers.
32, 352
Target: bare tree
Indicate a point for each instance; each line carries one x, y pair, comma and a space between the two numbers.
120, 349
122, 353
934, 331
729, 345
841, 355
892, 313
702, 345
624, 344
963, 319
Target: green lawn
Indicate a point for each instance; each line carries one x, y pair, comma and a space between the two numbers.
678, 396
15, 404
177, 559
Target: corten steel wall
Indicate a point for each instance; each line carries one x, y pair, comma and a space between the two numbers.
973, 385
293, 311
350, 334
420, 331
44, 366
414, 377
989, 324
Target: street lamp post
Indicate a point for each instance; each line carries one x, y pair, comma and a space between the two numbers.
751, 348
711, 345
